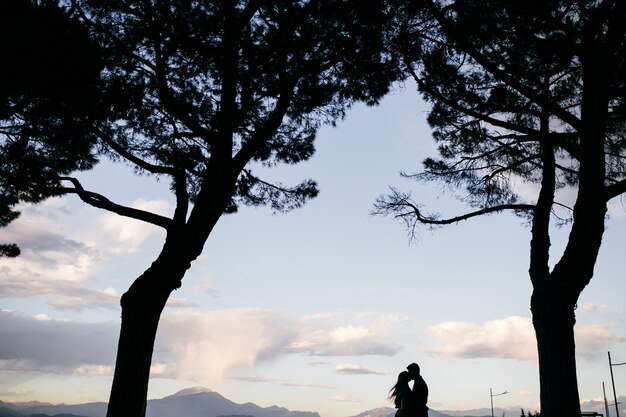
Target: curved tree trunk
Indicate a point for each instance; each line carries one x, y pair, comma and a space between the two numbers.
144, 301
141, 305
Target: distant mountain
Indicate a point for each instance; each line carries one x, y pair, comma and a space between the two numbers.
479, 412
196, 402
202, 402
22, 404
190, 402
482, 412
191, 390
378, 412
56, 415
78, 410
391, 412
8, 412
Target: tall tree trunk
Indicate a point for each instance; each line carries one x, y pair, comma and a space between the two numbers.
554, 321
144, 301
141, 305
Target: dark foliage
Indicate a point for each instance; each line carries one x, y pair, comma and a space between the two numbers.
205, 95
48, 83
252, 80
526, 93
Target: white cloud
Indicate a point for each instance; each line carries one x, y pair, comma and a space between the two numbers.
511, 338
617, 207
93, 370
163, 370
508, 338
200, 346
352, 369
206, 345
58, 259
61, 294
591, 340
342, 341
128, 235
47, 253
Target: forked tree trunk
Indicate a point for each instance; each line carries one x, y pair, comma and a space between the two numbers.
554, 321
142, 305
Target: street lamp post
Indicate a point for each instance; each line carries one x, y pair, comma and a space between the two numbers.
606, 403
611, 365
491, 395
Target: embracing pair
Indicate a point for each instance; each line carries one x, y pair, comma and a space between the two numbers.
410, 402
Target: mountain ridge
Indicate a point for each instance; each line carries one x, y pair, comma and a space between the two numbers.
189, 402
203, 402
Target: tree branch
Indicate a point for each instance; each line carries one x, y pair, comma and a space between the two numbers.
614, 190
170, 102
120, 150
469, 112
99, 201
501, 74
400, 205
540, 231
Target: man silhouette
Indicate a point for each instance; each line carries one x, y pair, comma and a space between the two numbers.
420, 390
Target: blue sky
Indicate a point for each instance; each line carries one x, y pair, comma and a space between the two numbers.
317, 309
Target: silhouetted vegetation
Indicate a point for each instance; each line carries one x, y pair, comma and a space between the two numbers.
530, 414
199, 94
527, 93
48, 82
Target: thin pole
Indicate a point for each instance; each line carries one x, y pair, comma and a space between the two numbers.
491, 395
606, 403
613, 383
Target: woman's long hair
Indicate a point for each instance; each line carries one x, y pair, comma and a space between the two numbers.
402, 384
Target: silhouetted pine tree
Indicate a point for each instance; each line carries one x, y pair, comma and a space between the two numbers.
202, 93
48, 82
527, 93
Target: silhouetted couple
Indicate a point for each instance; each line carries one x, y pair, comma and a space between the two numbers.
410, 402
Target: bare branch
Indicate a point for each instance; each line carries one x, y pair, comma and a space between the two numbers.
99, 201
401, 206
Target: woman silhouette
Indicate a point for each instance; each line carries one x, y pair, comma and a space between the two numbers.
402, 396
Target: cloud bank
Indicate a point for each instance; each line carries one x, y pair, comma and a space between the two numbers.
192, 345
35, 345
58, 259
508, 338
